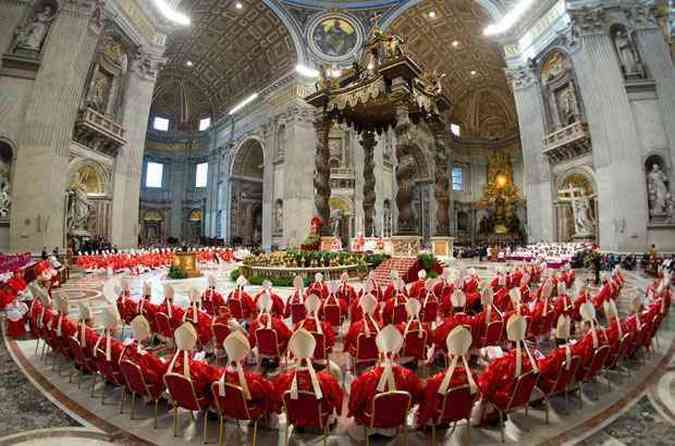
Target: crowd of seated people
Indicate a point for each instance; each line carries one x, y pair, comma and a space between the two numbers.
489, 337
140, 260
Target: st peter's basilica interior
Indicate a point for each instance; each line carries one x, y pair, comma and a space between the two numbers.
337, 222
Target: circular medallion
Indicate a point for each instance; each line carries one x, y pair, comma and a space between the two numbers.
334, 37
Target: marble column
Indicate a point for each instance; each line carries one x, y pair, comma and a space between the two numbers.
405, 174
129, 161
268, 186
322, 188
442, 178
51, 107
368, 143
539, 190
616, 145
657, 58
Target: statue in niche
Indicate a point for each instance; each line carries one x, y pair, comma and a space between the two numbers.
79, 207
659, 196
279, 217
98, 100
568, 110
5, 197
628, 55
583, 222
33, 34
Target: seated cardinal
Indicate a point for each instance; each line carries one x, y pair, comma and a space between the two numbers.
386, 377
212, 300
458, 374
458, 318
313, 324
303, 378
368, 325
198, 317
240, 302
268, 321
152, 368
277, 303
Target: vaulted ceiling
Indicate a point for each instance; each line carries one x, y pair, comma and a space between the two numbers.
234, 53
448, 36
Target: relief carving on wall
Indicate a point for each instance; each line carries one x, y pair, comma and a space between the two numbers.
30, 36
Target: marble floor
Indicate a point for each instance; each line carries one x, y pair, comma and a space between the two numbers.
39, 406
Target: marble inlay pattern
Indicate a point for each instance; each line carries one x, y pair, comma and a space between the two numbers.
22, 406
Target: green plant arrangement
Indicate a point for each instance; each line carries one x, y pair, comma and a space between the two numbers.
374, 260
234, 274
426, 261
176, 273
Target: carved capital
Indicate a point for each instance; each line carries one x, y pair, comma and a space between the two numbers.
520, 77
589, 20
147, 65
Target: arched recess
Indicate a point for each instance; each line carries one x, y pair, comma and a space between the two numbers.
95, 180
659, 188
583, 180
154, 227
7, 152
246, 205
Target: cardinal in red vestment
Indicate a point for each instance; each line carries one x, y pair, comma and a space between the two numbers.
418, 287
458, 374
386, 377
258, 391
303, 378
318, 287
498, 380
368, 325
550, 365
267, 320
184, 363
345, 291
152, 368
240, 302
198, 317
313, 324
212, 300
126, 306
277, 303
295, 305
393, 311
459, 317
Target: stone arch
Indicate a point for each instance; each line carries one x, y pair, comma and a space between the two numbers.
246, 205
98, 179
579, 177
250, 149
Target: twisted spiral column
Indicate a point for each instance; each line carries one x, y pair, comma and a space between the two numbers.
405, 174
322, 172
442, 178
368, 142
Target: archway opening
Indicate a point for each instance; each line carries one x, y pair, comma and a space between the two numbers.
247, 194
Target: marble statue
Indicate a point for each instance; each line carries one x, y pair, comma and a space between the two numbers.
583, 223
627, 53
279, 217
79, 207
33, 35
658, 191
5, 197
569, 109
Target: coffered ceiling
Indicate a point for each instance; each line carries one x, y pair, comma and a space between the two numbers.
233, 53
448, 36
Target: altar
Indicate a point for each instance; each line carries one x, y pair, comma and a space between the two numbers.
186, 263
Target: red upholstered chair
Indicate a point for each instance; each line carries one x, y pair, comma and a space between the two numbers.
306, 412
110, 372
587, 374
414, 345
298, 312
517, 398
430, 311
456, 405
366, 351
400, 314
135, 381
207, 306
320, 351
492, 333
163, 323
332, 315
236, 308
220, 332
268, 344
389, 410
234, 406
560, 383
183, 395
82, 362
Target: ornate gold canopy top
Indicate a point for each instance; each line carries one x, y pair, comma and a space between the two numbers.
367, 96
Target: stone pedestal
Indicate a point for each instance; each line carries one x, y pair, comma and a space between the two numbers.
406, 245
443, 246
